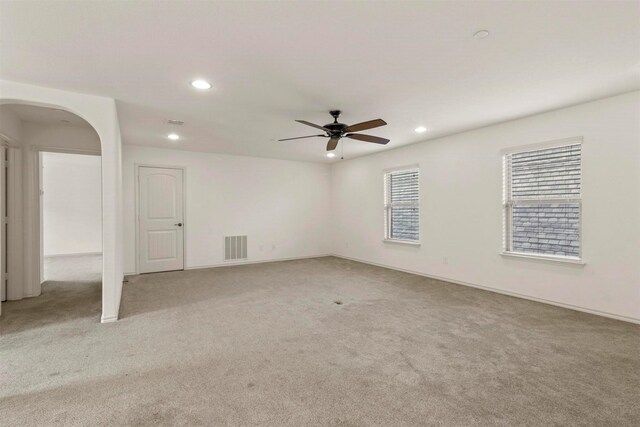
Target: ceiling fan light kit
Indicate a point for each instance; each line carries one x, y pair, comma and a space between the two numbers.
335, 131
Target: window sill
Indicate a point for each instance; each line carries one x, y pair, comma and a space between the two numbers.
544, 257
402, 242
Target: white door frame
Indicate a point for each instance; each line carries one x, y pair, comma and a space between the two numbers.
185, 223
4, 147
38, 202
5, 142
15, 239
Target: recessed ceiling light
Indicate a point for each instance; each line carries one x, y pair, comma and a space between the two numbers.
421, 129
331, 155
481, 34
201, 84
173, 136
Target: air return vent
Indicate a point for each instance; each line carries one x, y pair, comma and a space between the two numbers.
235, 248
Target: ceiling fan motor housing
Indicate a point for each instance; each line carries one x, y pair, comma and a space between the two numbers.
335, 131
336, 128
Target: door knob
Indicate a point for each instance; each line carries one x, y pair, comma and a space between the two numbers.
178, 224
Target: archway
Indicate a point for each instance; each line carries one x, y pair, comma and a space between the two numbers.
73, 222
100, 113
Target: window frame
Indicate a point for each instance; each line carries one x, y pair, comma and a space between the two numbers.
388, 205
508, 203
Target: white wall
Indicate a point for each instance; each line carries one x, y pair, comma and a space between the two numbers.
283, 206
72, 204
461, 211
10, 125
60, 137
101, 114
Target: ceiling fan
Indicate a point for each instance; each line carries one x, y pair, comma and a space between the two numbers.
334, 131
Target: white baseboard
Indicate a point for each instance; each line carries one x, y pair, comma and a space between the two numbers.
109, 319
499, 291
431, 276
262, 261
246, 262
72, 255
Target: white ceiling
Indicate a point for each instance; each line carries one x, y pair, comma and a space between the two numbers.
42, 115
410, 63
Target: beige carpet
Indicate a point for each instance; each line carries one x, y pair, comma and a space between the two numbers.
73, 268
267, 344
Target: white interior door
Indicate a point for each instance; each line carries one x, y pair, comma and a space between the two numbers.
161, 221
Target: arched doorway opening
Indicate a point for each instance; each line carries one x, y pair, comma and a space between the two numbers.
101, 114
51, 198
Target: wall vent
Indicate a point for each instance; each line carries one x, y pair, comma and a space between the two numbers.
175, 122
235, 248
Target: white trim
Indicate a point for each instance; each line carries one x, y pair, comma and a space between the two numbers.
388, 205
8, 141
431, 276
262, 261
110, 319
500, 291
83, 151
542, 145
403, 242
543, 201
36, 199
238, 263
136, 185
401, 168
17, 219
563, 259
508, 202
71, 254
3, 196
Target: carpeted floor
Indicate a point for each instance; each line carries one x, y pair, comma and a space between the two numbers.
268, 344
75, 268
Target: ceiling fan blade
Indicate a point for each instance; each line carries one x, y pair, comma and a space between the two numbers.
300, 137
366, 125
368, 138
304, 122
332, 144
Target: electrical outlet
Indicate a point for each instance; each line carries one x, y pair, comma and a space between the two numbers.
261, 247
273, 247
346, 245
445, 260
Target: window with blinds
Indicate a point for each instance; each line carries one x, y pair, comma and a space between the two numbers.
402, 205
542, 200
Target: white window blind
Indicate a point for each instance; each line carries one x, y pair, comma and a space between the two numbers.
402, 205
542, 201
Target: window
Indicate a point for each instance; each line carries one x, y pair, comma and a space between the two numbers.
542, 201
402, 205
